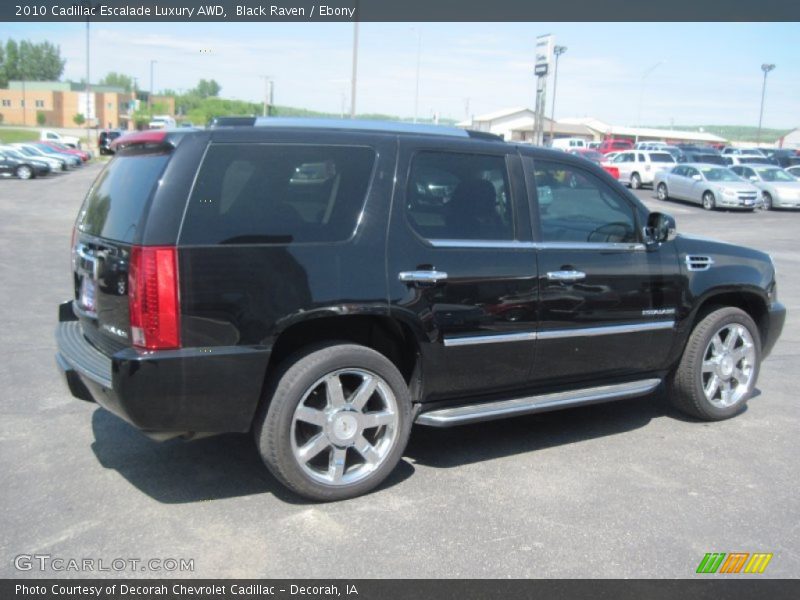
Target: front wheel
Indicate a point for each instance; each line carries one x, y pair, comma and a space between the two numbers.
719, 368
661, 191
24, 172
337, 423
636, 181
767, 201
709, 202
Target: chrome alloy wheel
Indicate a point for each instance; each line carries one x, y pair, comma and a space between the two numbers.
728, 366
345, 426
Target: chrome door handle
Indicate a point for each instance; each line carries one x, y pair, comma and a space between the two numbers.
565, 275
422, 276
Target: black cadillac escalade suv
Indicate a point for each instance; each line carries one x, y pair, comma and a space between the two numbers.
327, 284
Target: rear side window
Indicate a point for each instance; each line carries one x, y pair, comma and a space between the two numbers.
278, 194
459, 197
114, 206
661, 157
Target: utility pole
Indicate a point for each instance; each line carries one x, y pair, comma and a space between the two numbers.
150, 97
416, 92
355, 67
766, 68
557, 51
641, 96
267, 96
88, 85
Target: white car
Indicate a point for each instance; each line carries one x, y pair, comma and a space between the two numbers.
794, 171
650, 145
731, 151
639, 167
568, 143
161, 122
47, 135
746, 159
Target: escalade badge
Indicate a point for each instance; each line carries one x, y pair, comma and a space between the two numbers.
652, 312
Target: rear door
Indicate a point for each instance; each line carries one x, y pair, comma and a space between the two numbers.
461, 265
607, 303
108, 224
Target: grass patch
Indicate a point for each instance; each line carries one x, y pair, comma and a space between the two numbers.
12, 136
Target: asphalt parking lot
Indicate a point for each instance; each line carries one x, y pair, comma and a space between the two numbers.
628, 489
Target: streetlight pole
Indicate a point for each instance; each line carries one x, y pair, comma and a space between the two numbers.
267, 95
766, 68
641, 95
150, 97
88, 85
416, 92
557, 51
355, 69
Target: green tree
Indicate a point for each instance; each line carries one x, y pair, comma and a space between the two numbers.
207, 88
30, 61
41, 119
118, 80
79, 119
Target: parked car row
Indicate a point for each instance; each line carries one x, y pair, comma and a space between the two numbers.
740, 187
36, 159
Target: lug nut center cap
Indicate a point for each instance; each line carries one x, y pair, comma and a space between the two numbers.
726, 366
344, 427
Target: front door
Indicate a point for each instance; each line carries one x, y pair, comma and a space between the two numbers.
461, 265
607, 302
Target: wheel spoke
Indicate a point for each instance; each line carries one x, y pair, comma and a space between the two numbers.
334, 392
310, 415
377, 419
712, 386
367, 450
716, 345
336, 464
730, 341
312, 447
725, 392
364, 392
709, 366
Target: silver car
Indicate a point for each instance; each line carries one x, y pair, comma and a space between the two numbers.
778, 188
794, 171
712, 186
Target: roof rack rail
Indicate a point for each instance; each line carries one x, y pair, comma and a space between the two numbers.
361, 125
485, 135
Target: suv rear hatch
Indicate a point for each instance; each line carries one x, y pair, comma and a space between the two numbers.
106, 263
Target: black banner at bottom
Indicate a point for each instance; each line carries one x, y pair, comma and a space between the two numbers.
730, 588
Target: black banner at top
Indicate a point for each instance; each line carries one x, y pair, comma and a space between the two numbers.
398, 10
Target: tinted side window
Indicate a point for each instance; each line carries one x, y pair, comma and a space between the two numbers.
277, 194
576, 206
459, 197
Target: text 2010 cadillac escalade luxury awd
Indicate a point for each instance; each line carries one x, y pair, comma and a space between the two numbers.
327, 284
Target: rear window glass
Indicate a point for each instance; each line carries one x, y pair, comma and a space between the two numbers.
278, 194
661, 157
115, 203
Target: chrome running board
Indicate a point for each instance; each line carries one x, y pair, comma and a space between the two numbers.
487, 411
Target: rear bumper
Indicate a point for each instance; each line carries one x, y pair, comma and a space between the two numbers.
777, 317
214, 389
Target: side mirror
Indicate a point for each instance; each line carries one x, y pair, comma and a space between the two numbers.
660, 228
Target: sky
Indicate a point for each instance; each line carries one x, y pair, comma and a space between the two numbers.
710, 75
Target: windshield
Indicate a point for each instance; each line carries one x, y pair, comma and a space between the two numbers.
715, 174
29, 151
591, 155
12, 152
774, 175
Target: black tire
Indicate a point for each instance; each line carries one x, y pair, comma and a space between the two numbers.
662, 192
709, 202
25, 172
636, 181
685, 384
767, 201
300, 373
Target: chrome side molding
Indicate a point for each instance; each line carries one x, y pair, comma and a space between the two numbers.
488, 411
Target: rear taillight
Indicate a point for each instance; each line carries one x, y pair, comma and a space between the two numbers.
153, 297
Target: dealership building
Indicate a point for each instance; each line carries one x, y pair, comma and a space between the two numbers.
60, 101
517, 124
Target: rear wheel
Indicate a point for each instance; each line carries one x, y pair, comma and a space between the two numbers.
767, 201
24, 172
337, 423
636, 181
709, 202
661, 191
719, 367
